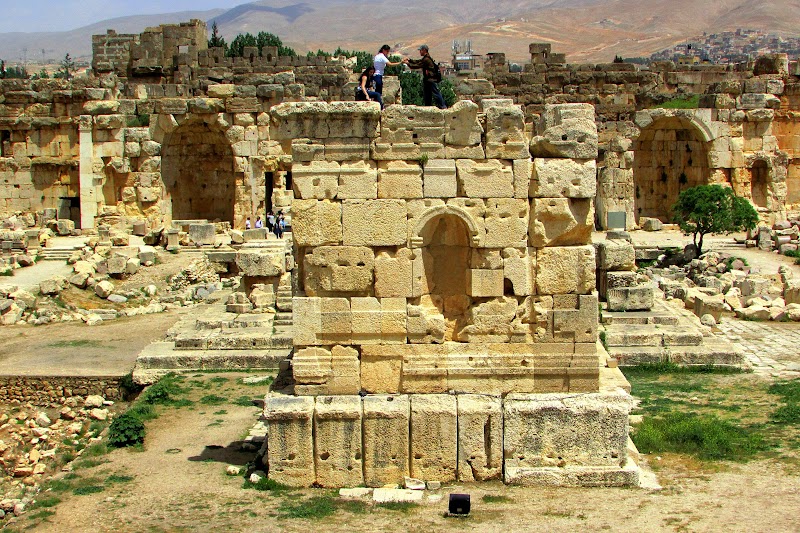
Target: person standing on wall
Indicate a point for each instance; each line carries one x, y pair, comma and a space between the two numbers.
380, 62
431, 76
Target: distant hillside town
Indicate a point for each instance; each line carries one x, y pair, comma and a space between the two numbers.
729, 47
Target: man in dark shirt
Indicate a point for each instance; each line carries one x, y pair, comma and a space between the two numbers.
430, 83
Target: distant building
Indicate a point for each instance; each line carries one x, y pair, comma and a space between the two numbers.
464, 58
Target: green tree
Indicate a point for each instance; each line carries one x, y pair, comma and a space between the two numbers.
237, 46
712, 209
216, 41
411, 84
67, 68
15, 73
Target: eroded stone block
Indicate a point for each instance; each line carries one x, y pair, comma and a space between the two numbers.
330, 269
374, 222
290, 454
480, 438
386, 439
490, 178
338, 453
565, 269
434, 430
556, 178
561, 221
316, 222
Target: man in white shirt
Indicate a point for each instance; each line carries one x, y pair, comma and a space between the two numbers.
380, 62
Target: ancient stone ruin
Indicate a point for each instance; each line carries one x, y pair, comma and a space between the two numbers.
441, 284
445, 315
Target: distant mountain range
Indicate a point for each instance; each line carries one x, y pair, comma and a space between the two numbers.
586, 30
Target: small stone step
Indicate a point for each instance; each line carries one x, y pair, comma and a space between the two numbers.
722, 354
637, 317
653, 335
159, 358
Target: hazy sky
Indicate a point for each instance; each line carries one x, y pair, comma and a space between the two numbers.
59, 15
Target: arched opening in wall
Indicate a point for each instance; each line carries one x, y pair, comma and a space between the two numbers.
759, 179
446, 258
197, 168
5, 143
669, 157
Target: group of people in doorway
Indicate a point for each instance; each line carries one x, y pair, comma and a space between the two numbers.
370, 83
274, 223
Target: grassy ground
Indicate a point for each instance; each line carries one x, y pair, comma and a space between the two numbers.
712, 414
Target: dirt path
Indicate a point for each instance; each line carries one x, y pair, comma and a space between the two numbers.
75, 349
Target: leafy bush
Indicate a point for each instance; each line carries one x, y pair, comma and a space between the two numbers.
126, 430
712, 209
163, 392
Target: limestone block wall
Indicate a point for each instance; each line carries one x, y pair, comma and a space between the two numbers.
442, 250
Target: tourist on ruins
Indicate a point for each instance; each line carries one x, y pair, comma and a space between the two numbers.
364, 92
259, 222
431, 76
247, 224
279, 224
270, 220
380, 63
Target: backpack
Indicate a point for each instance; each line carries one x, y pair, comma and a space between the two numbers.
436, 73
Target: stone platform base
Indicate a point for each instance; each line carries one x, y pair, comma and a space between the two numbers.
376, 440
160, 358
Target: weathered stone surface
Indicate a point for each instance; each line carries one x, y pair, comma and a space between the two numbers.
567, 269
560, 222
386, 439
339, 269
569, 178
260, 263
374, 222
316, 222
480, 438
338, 452
434, 431
290, 454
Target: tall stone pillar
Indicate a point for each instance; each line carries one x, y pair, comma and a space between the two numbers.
88, 189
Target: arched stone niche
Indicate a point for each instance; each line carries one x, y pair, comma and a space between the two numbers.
421, 230
203, 167
671, 154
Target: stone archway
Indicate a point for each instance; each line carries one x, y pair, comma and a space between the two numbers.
197, 168
670, 155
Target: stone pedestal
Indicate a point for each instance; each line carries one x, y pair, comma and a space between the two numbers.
173, 241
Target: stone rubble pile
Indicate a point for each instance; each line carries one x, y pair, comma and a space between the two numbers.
96, 269
718, 284
783, 237
38, 441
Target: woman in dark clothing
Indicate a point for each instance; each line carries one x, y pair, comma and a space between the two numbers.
364, 92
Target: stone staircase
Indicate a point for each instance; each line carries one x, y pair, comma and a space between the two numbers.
57, 253
212, 338
665, 334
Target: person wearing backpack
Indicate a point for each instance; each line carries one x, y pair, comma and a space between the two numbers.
431, 76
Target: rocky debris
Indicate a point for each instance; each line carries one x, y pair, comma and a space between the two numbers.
718, 284
783, 236
35, 440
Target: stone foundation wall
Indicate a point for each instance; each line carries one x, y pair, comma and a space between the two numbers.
44, 390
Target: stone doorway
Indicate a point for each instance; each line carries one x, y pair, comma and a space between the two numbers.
759, 179
197, 167
670, 156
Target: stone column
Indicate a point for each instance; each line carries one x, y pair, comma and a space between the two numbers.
88, 191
